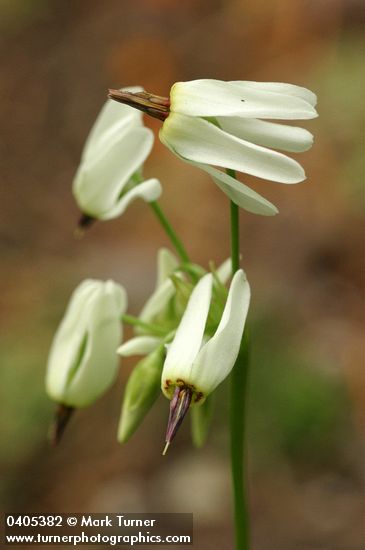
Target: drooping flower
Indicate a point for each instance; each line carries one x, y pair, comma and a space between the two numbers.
166, 305
211, 123
143, 385
157, 310
196, 363
109, 177
82, 363
159, 320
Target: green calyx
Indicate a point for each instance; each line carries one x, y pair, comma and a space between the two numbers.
142, 390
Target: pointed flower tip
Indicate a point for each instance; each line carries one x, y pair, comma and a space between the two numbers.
84, 222
179, 406
153, 105
114, 94
59, 424
166, 448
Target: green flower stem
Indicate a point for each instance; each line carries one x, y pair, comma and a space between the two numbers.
235, 238
237, 428
237, 409
179, 247
149, 327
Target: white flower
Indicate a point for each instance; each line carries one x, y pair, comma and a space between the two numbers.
155, 309
159, 309
108, 178
199, 365
82, 362
215, 123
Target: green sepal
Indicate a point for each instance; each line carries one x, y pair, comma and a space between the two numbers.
219, 298
182, 295
195, 271
201, 417
142, 389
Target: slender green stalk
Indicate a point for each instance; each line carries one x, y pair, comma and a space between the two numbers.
136, 322
237, 428
237, 410
235, 238
180, 249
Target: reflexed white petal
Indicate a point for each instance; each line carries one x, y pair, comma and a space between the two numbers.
210, 98
236, 191
217, 357
149, 191
91, 325
100, 181
239, 193
117, 295
224, 271
189, 335
140, 345
278, 87
166, 265
69, 337
112, 122
99, 367
158, 301
200, 141
268, 134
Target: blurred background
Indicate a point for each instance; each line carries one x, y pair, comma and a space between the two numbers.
306, 266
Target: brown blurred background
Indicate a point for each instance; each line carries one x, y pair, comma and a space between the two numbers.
306, 266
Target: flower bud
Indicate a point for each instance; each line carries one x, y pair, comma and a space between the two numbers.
201, 418
82, 362
142, 389
109, 176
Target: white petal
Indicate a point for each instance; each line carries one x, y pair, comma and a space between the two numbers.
236, 191
100, 364
217, 357
117, 295
92, 325
149, 191
200, 141
158, 301
68, 338
224, 271
166, 265
278, 87
140, 345
100, 181
268, 134
239, 193
189, 335
210, 98
112, 122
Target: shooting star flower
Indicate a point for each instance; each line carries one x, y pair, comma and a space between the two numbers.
211, 123
156, 326
196, 364
109, 177
82, 363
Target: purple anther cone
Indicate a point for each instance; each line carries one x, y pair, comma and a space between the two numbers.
179, 406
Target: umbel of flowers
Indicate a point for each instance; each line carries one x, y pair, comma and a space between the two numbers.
190, 331
179, 320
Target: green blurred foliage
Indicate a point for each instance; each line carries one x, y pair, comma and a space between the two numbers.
297, 408
340, 84
15, 14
